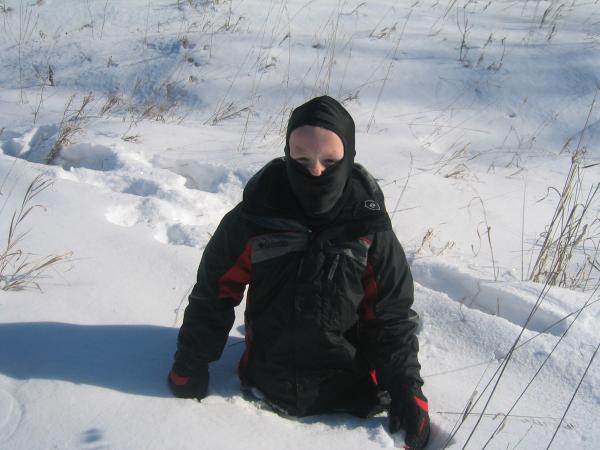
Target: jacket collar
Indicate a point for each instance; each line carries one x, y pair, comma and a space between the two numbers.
269, 203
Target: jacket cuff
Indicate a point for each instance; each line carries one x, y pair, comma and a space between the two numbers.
183, 369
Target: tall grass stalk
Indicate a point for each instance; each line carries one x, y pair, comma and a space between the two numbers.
103, 19
390, 65
498, 374
27, 26
523, 231
573, 396
328, 60
522, 344
71, 125
19, 269
546, 359
569, 227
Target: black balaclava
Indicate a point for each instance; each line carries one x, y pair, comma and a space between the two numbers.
321, 196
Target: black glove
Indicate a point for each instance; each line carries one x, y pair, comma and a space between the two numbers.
185, 384
410, 411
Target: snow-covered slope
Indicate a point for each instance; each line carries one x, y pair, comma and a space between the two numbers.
468, 113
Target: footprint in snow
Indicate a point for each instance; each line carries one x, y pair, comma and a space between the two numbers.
142, 188
92, 439
36, 145
201, 176
181, 200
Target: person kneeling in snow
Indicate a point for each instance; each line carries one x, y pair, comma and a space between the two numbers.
328, 319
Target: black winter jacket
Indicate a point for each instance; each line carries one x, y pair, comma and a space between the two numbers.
325, 306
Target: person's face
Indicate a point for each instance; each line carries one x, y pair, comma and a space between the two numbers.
315, 148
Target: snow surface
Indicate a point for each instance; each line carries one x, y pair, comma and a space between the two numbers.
460, 137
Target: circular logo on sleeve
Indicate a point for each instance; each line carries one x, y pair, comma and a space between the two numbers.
372, 205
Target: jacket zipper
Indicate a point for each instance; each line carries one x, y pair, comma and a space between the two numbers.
334, 265
294, 305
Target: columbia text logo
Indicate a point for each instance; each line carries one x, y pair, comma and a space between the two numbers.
273, 244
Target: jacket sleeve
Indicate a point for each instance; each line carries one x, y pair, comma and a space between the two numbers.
223, 274
388, 324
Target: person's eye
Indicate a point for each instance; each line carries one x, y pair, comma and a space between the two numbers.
330, 162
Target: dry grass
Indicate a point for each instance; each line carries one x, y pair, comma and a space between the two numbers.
229, 111
112, 101
71, 125
19, 269
572, 229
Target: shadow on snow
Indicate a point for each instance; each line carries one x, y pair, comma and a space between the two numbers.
134, 359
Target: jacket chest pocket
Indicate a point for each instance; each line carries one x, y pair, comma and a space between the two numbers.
275, 259
341, 281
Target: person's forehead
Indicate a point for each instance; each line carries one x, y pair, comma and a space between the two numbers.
312, 142
306, 132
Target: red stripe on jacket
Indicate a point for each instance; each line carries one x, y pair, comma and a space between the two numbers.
233, 282
367, 305
421, 403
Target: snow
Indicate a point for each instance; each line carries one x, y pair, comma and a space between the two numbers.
190, 99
